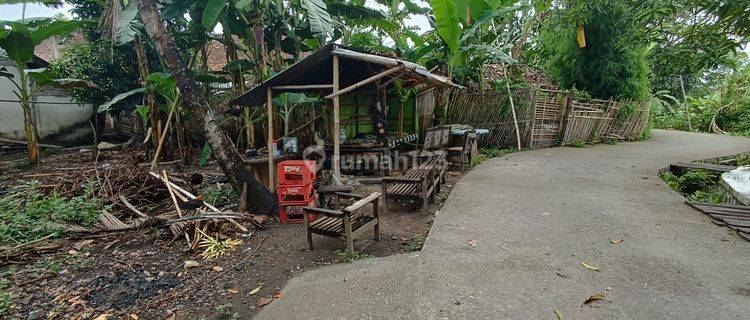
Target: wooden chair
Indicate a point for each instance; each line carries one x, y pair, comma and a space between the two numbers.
420, 183
346, 223
464, 153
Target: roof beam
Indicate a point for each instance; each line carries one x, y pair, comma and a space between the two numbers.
394, 78
364, 82
304, 86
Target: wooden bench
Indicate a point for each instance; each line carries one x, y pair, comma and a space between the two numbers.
420, 183
346, 223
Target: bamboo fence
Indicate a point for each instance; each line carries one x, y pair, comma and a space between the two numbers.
547, 118
492, 111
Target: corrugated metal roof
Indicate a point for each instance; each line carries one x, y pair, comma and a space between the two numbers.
316, 69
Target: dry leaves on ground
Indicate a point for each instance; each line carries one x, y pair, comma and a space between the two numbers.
598, 296
588, 266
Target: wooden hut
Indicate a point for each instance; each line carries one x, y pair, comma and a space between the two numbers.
341, 74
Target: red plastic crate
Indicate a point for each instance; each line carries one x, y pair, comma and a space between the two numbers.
293, 213
295, 193
296, 172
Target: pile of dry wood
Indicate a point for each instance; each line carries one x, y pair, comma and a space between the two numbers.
135, 198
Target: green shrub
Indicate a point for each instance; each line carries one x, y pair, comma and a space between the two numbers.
714, 195
697, 185
697, 179
611, 65
416, 243
577, 144
672, 181
6, 301
742, 159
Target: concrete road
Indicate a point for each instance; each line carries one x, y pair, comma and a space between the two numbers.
535, 217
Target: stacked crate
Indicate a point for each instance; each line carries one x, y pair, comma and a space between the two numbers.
296, 189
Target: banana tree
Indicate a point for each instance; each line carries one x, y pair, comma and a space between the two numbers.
471, 33
288, 101
19, 40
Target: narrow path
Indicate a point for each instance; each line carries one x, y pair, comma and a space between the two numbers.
535, 217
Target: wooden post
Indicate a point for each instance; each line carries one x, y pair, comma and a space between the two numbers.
564, 118
533, 116
512, 106
375, 215
348, 228
308, 235
336, 124
269, 111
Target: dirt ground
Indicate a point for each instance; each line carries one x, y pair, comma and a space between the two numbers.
141, 274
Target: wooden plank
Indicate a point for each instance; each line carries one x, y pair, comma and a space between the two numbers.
362, 202
303, 86
701, 165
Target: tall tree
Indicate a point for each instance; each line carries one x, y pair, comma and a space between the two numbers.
592, 49
261, 201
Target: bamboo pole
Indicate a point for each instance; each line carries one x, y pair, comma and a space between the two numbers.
176, 204
337, 92
512, 106
684, 102
336, 123
269, 111
163, 135
303, 86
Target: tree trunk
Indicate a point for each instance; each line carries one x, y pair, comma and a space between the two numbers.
29, 129
238, 83
261, 201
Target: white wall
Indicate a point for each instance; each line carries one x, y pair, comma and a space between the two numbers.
58, 118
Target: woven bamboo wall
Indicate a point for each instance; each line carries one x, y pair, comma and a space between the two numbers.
546, 118
491, 110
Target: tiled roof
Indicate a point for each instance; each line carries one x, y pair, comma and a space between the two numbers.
51, 48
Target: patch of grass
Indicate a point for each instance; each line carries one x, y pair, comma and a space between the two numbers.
476, 160
577, 144
225, 310
4, 283
495, 152
416, 243
26, 214
742, 159
20, 164
488, 153
6, 301
47, 266
350, 256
